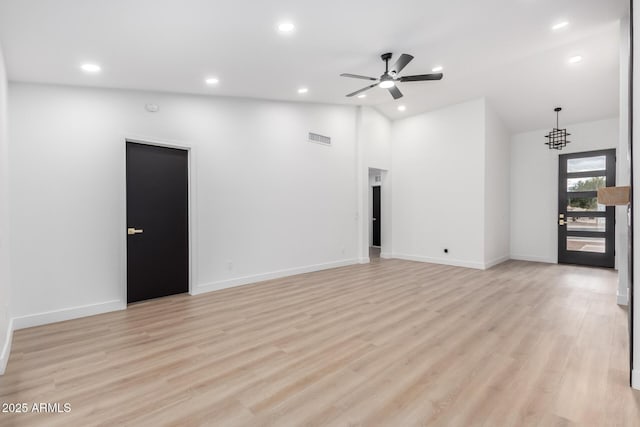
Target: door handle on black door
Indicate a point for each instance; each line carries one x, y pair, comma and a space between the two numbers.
131, 231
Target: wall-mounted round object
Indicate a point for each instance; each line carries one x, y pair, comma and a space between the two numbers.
152, 108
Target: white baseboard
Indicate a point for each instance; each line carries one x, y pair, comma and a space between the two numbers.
445, 261
66, 314
366, 260
6, 348
247, 280
622, 299
532, 258
386, 255
496, 261
635, 379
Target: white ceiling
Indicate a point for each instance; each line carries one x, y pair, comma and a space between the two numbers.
502, 49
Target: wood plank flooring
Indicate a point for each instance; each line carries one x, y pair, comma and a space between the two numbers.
392, 343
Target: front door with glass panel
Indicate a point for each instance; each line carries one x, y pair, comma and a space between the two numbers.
586, 229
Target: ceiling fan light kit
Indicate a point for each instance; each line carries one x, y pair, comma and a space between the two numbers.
386, 84
390, 78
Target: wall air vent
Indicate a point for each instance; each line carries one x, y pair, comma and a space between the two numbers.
320, 139
378, 178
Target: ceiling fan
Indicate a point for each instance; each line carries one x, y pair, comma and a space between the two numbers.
390, 77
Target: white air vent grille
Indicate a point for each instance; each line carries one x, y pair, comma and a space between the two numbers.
320, 139
378, 178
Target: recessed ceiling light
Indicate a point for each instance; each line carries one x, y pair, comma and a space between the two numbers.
303, 90
362, 95
560, 25
212, 81
401, 108
386, 84
575, 59
91, 68
437, 69
286, 27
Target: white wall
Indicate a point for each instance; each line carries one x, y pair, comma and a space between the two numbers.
374, 152
5, 293
263, 197
438, 185
376, 134
623, 175
497, 190
636, 199
534, 184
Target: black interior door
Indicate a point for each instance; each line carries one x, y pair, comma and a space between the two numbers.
376, 217
157, 221
586, 229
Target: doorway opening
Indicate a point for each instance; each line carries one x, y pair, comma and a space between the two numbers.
586, 229
376, 216
157, 197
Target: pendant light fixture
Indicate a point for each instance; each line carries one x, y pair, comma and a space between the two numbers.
557, 138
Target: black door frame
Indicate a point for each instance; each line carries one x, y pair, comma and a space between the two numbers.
586, 258
190, 203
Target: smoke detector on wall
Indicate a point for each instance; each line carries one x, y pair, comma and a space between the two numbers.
152, 108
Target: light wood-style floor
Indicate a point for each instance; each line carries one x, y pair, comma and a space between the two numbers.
393, 343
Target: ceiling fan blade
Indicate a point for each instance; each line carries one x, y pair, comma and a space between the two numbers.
401, 63
395, 92
421, 77
362, 90
356, 76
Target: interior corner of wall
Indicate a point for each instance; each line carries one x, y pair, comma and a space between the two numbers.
5, 350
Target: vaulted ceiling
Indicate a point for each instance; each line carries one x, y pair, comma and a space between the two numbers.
504, 50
